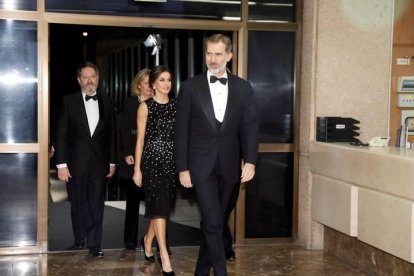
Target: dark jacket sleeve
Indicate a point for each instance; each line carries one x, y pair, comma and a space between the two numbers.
127, 127
113, 141
182, 125
249, 127
60, 142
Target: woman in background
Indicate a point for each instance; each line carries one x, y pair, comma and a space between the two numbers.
140, 91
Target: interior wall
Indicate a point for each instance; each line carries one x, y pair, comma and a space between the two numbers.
353, 62
346, 71
310, 234
403, 47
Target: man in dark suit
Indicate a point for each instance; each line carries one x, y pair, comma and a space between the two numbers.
227, 237
216, 127
85, 156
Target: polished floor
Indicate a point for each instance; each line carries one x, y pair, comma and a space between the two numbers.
250, 260
258, 260
183, 227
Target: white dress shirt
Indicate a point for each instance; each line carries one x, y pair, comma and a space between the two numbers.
219, 93
92, 112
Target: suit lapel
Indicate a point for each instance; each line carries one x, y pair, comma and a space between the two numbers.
101, 114
232, 98
82, 110
206, 101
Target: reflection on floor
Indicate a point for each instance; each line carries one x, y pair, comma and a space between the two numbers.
184, 213
250, 260
182, 230
183, 227
184, 235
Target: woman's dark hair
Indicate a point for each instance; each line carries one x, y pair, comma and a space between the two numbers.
156, 72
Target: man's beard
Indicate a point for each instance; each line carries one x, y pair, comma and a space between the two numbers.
90, 88
216, 70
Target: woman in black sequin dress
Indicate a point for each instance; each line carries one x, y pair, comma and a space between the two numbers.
154, 162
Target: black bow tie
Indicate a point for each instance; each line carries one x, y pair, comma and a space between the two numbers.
94, 97
213, 79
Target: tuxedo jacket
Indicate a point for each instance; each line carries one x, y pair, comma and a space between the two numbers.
128, 135
74, 144
200, 141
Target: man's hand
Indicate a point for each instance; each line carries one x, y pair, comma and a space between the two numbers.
247, 172
64, 174
185, 179
129, 160
111, 171
51, 151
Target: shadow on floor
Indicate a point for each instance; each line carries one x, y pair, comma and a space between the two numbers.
61, 237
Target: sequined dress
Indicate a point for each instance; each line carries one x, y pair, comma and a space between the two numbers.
158, 169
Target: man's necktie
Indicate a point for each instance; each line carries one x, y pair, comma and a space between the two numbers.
213, 79
94, 97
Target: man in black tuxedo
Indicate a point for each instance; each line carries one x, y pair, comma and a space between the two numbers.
216, 127
85, 156
227, 237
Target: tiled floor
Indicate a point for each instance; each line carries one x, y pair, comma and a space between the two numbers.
260, 260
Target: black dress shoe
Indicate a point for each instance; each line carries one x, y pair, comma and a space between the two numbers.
96, 251
150, 259
230, 255
131, 246
76, 246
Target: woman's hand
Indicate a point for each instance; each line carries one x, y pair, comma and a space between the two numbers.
137, 178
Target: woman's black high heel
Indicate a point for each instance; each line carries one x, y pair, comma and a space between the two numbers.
170, 273
150, 259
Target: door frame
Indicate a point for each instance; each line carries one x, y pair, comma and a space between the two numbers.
240, 40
